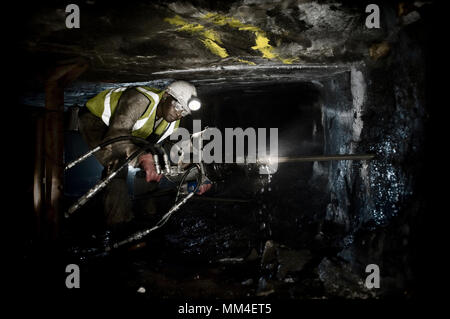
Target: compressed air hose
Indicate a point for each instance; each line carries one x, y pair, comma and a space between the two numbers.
111, 141
141, 234
100, 185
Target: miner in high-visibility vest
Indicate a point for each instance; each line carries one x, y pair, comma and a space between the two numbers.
138, 111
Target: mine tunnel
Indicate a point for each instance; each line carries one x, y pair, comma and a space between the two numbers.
305, 231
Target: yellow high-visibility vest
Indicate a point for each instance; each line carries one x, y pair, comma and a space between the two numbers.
104, 104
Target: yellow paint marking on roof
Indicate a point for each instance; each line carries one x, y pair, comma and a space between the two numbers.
177, 20
215, 48
261, 40
290, 60
262, 45
209, 38
248, 62
212, 35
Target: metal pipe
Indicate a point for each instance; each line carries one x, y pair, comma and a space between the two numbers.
157, 166
167, 163
318, 158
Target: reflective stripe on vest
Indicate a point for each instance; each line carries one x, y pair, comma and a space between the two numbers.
168, 131
107, 111
105, 103
140, 123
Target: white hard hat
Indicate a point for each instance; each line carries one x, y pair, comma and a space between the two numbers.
186, 94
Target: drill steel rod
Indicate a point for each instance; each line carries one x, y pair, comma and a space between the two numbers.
338, 157
225, 200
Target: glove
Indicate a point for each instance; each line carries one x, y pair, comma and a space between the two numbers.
147, 163
206, 186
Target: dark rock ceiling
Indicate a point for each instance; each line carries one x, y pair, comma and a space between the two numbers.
140, 41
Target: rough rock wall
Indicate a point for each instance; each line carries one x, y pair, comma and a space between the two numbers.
377, 204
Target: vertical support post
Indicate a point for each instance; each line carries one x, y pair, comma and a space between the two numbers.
53, 150
63, 74
38, 177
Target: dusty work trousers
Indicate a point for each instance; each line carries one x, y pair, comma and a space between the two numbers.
116, 202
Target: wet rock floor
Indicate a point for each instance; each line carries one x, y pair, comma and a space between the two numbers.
156, 271
275, 246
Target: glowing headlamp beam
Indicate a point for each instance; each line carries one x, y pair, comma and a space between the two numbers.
194, 104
